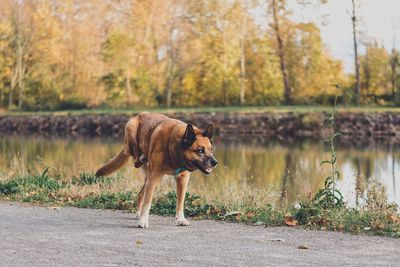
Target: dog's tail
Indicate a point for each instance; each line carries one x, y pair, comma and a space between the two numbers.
113, 164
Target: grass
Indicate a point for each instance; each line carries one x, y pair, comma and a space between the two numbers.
239, 109
377, 217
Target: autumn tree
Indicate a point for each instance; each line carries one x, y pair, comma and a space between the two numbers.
354, 19
376, 72
278, 10
395, 71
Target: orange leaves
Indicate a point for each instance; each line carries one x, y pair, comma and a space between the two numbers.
393, 218
290, 221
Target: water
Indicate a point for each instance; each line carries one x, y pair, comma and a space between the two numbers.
290, 171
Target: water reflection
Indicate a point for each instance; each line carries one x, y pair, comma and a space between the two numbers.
291, 171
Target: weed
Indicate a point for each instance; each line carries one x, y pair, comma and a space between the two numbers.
30, 183
166, 205
87, 179
121, 201
330, 196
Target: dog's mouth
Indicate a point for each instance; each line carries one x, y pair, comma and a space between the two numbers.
204, 170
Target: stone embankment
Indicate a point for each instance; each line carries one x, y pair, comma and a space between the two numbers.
354, 125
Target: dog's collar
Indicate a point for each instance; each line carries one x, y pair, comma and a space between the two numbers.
179, 170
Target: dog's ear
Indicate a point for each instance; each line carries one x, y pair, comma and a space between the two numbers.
189, 136
209, 131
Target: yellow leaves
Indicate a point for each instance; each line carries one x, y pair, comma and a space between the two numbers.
189, 82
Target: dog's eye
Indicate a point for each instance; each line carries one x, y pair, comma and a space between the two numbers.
200, 150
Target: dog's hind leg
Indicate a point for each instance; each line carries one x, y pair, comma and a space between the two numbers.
131, 140
182, 181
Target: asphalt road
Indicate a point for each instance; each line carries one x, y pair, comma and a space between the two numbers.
45, 236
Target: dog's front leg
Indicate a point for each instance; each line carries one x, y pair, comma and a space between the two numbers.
182, 181
152, 180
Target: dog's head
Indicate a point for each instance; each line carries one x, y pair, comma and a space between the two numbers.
198, 149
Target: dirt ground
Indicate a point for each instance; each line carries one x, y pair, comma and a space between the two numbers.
46, 236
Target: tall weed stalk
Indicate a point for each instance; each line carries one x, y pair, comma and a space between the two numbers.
330, 196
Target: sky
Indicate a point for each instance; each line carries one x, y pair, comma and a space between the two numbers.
379, 20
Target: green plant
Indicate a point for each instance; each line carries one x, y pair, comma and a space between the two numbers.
166, 205
330, 196
120, 200
30, 183
86, 178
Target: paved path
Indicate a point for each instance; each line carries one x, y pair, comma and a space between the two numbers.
41, 236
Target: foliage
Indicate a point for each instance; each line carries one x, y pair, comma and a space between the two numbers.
166, 205
30, 183
377, 218
121, 201
97, 55
87, 179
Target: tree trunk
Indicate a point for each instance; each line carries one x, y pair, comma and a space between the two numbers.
356, 60
393, 66
170, 70
281, 54
243, 59
367, 72
171, 61
128, 89
20, 73
19, 64
170, 83
225, 70
12, 86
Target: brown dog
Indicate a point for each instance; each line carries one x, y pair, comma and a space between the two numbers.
163, 146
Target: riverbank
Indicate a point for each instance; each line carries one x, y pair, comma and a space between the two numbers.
356, 124
376, 217
52, 236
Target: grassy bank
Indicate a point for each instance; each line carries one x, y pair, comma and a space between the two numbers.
248, 109
376, 217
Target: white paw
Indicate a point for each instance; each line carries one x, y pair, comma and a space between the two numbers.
143, 223
182, 222
136, 216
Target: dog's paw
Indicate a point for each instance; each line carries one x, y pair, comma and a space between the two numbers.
182, 222
136, 216
143, 223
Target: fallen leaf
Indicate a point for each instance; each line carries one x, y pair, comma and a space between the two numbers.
250, 214
367, 228
231, 213
290, 221
259, 223
393, 218
322, 222
139, 242
378, 226
302, 247
277, 240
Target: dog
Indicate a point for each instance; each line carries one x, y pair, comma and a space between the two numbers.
162, 146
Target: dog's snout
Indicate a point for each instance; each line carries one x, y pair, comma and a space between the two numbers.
214, 162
